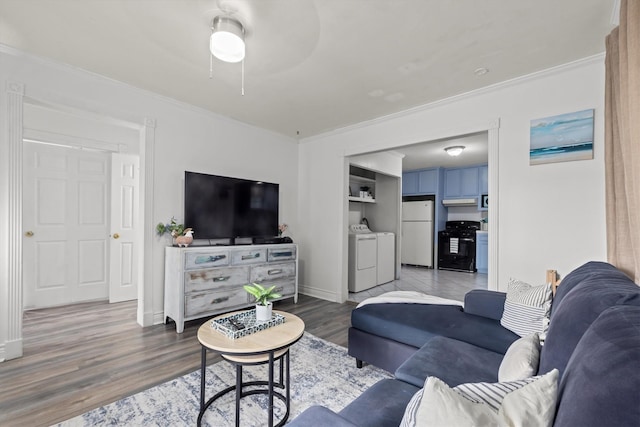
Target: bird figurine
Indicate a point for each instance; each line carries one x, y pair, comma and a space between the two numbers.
186, 239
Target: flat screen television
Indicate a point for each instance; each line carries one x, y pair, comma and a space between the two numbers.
220, 207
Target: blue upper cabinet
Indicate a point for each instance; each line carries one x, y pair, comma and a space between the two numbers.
483, 175
409, 183
420, 182
461, 182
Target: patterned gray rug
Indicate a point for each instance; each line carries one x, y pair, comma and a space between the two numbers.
321, 374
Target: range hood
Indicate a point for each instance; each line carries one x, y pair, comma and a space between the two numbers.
472, 201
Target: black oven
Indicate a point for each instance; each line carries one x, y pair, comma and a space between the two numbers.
457, 246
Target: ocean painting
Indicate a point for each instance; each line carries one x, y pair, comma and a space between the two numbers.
562, 138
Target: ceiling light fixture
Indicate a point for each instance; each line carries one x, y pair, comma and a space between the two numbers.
227, 43
227, 39
454, 150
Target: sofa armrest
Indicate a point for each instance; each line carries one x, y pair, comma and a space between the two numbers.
485, 303
319, 416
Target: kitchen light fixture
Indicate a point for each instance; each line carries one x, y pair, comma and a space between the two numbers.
227, 39
454, 150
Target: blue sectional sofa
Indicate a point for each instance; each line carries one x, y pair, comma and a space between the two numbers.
593, 341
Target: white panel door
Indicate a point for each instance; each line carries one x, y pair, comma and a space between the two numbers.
124, 227
65, 225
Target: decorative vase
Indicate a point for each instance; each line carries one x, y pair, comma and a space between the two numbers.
263, 312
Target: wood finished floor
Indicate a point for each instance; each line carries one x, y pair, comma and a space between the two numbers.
83, 356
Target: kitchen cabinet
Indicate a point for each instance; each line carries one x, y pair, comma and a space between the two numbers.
482, 252
483, 176
461, 182
420, 182
201, 281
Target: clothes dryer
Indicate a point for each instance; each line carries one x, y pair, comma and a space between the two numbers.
363, 253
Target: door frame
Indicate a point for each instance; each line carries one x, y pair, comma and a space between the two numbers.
145, 126
492, 127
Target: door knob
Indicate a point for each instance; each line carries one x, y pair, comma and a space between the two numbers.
116, 236
29, 234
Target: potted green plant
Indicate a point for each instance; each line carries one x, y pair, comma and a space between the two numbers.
182, 236
263, 297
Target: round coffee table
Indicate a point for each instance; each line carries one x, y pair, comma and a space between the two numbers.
266, 346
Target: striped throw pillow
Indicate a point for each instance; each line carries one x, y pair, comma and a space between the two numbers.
526, 308
529, 402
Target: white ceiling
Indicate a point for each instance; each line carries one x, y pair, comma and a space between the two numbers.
312, 65
432, 154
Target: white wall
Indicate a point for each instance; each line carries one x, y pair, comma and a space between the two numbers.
186, 138
550, 216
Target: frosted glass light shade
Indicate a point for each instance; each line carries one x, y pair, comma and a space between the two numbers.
455, 150
227, 40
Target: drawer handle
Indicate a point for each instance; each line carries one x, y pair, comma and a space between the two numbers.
221, 279
272, 272
276, 254
219, 300
256, 255
206, 258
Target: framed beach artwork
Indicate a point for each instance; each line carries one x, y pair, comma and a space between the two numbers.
562, 138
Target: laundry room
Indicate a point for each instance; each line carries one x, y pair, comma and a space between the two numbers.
374, 216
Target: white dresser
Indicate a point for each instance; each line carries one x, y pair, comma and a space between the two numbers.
206, 280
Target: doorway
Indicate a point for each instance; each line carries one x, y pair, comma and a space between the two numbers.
72, 198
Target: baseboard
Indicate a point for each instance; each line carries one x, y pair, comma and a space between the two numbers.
158, 318
318, 293
10, 350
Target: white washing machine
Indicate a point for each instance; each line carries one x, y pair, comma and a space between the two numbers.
363, 258
386, 260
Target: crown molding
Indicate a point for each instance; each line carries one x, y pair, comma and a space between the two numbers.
593, 59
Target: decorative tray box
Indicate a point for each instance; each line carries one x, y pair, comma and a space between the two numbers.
225, 325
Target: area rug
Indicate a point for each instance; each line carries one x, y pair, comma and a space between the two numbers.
321, 374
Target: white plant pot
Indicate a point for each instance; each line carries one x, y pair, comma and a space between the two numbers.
263, 312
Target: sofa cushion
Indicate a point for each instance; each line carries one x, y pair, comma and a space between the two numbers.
521, 360
575, 277
319, 416
601, 384
415, 324
381, 405
454, 362
481, 302
527, 308
529, 402
579, 308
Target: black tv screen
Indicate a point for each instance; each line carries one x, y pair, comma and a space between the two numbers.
220, 207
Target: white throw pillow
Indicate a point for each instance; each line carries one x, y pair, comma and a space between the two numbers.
521, 359
530, 402
526, 308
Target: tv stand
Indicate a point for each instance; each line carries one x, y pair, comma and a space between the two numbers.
201, 281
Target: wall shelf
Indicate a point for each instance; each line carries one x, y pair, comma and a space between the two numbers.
362, 199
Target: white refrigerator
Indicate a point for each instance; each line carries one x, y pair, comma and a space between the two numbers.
417, 233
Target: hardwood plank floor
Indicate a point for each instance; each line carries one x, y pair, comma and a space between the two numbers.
83, 356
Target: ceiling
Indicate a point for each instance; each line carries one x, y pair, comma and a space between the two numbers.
432, 154
312, 65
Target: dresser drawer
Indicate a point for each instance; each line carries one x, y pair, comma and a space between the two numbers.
204, 260
215, 278
268, 272
249, 256
285, 287
206, 302
281, 254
